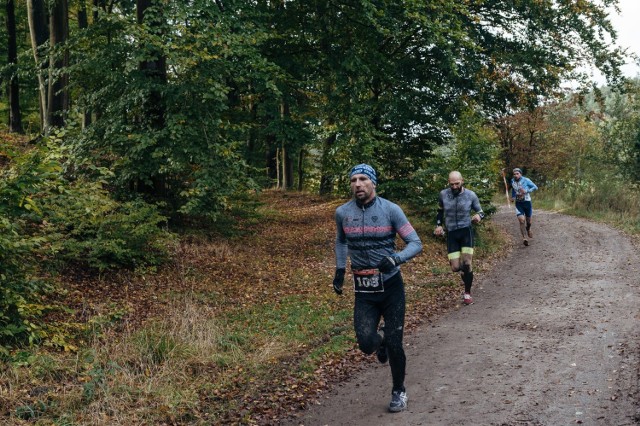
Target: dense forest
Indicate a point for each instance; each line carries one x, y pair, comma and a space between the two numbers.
140, 141
129, 124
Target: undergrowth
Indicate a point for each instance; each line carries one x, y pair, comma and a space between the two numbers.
615, 204
236, 330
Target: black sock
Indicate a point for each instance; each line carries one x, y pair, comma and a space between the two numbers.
467, 278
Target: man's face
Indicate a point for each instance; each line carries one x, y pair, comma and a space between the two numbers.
517, 175
455, 183
362, 188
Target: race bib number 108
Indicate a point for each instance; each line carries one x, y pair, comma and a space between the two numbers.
368, 283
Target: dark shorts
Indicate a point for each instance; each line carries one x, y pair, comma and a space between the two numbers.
524, 208
459, 240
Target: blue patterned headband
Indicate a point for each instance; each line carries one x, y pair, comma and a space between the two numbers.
364, 169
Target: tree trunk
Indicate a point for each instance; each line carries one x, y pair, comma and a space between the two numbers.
326, 178
83, 23
284, 167
58, 95
283, 150
301, 169
156, 71
278, 168
39, 31
13, 92
96, 7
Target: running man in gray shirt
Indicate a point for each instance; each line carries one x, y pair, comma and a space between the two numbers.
454, 207
366, 230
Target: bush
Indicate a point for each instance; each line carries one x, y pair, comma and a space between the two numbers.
19, 290
92, 229
48, 221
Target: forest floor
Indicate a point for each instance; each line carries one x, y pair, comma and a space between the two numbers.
553, 338
245, 329
237, 328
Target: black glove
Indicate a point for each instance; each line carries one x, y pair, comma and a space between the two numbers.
387, 264
338, 281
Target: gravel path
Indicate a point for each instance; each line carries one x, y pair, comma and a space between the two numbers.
553, 338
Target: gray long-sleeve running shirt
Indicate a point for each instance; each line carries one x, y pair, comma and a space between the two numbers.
458, 207
367, 234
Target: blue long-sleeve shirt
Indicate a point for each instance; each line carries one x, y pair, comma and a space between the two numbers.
522, 183
367, 234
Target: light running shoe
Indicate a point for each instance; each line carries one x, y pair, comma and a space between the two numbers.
529, 233
398, 401
467, 299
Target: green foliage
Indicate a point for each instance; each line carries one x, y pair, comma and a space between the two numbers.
19, 290
48, 222
31, 411
620, 131
20, 243
94, 230
587, 155
156, 346
190, 155
238, 80
611, 201
473, 151
77, 221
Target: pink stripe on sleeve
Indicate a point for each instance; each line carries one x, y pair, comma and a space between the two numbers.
406, 230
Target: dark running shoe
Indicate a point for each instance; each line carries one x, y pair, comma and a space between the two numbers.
398, 401
381, 353
526, 242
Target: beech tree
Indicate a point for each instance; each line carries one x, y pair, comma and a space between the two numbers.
39, 33
619, 124
195, 101
58, 95
13, 87
392, 79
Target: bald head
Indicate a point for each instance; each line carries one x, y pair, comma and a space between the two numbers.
455, 176
455, 182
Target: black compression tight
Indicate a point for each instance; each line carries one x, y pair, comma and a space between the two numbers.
368, 310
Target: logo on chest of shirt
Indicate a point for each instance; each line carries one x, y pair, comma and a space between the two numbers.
374, 218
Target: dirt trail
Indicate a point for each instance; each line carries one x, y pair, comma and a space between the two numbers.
553, 339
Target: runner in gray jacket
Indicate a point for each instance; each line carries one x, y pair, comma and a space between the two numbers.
454, 207
366, 229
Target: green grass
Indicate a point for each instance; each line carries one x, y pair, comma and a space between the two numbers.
173, 363
612, 203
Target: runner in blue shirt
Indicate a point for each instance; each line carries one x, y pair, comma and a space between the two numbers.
521, 189
366, 229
